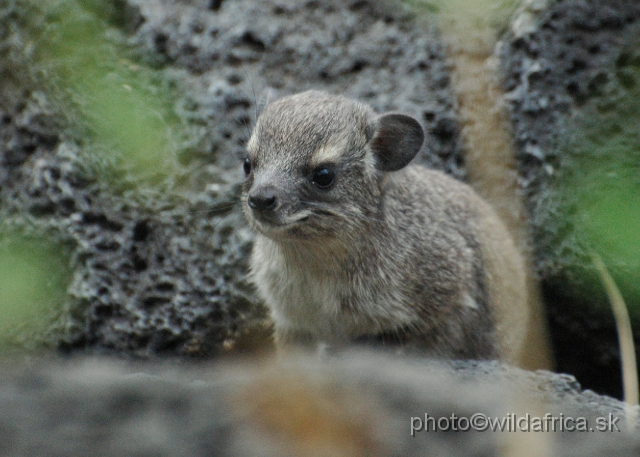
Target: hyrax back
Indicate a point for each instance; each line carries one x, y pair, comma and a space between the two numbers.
353, 245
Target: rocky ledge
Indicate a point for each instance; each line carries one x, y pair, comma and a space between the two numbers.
354, 404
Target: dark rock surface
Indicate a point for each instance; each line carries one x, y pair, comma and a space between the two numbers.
358, 404
376, 52
570, 73
155, 271
161, 270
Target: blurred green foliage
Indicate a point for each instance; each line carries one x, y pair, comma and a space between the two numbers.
34, 276
82, 56
592, 199
121, 114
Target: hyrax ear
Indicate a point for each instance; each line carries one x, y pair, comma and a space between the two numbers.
396, 141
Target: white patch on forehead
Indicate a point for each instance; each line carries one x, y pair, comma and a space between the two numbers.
370, 163
328, 153
467, 300
251, 144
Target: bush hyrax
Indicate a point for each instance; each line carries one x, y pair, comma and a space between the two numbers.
355, 245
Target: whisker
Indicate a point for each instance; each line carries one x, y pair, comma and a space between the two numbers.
246, 125
253, 90
341, 212
216, 210
222, 207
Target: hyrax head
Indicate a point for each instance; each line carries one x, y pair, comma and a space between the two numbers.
315, 163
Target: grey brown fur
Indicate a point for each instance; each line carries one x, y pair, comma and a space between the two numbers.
386, 252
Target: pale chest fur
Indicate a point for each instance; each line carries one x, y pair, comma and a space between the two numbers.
307, 294
299, 296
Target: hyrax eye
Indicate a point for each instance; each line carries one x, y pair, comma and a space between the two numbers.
323, 177
246, 166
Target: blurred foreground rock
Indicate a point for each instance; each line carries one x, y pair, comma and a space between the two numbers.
358, 404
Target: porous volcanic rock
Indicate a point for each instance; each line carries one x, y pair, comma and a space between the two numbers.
160, 270
570, 71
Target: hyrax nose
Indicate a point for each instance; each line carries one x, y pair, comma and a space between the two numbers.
263, 199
